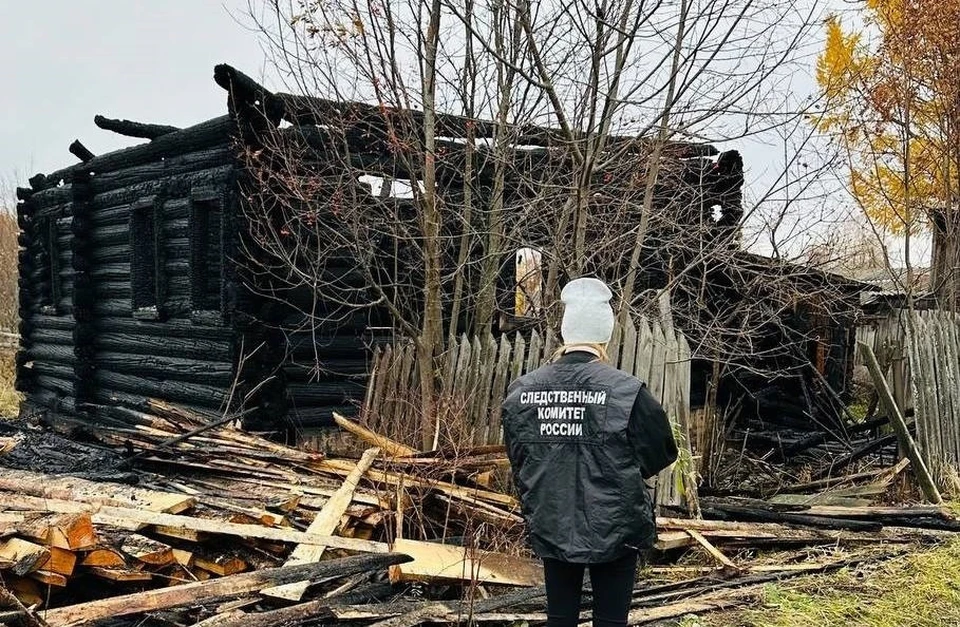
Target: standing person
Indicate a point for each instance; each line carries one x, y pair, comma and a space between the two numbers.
581, 437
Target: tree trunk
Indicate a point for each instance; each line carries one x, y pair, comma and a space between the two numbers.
431, 340
945, 260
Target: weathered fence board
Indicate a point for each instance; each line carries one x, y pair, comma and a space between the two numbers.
922, 366
477, 371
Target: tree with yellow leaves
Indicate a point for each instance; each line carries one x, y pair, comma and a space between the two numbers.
892, 94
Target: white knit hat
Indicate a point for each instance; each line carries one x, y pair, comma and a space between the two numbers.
587, 314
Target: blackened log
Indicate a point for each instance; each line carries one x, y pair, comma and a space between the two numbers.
306, 370
51, 352
80, 151
176, 328
62, 387
181, 163
161, 389
166, 346
373, 119
24, 193
53, 322
315, 417
112, 206
724, 511
53, 198
216, 373
202, 136
861, 452
323, 393
133, 129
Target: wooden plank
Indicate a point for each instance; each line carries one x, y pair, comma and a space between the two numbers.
49, 577
644, 357
917, 462
535, 356
381, 476
388, 446
118, 516
119, 574
21, 557
667, 540
195, 593
325, 523
501, 373
434, 561
24, 482
713, 551
484, 428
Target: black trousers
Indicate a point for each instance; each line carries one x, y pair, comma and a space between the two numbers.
612, 590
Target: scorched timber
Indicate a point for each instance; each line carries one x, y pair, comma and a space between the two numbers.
230, 586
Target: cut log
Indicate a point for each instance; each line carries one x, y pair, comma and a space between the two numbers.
325, 523
61, 561
21, 557
223, 565
49, 577
147, 550
184, 558
109, 558
388, 446
28, 591
125, 517
81, 152
234, 585
434, 562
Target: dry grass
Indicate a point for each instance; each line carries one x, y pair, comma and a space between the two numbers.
9, 397
8, 271
918, 589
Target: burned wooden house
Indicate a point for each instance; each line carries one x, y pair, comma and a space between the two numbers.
148, 272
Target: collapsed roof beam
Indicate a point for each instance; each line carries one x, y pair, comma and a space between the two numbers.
371, 118
80, 151
129, 128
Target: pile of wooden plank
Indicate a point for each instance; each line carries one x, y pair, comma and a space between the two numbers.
227, 528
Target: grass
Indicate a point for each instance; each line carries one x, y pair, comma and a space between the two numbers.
918, 589
9, 397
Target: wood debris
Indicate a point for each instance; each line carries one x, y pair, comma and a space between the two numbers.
225, 528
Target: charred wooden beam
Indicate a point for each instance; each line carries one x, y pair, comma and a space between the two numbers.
129, 128
80, 151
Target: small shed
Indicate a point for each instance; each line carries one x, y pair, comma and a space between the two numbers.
136, 279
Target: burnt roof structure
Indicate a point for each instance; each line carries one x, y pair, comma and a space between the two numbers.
144, 272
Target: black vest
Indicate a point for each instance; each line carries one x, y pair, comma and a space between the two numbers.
580, 486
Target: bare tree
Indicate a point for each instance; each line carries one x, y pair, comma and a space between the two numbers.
391, 193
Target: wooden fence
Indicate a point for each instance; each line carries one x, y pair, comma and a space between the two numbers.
934, 352
888, 339
478, 370
923, 370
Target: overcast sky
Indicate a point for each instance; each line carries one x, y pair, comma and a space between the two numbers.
147, 60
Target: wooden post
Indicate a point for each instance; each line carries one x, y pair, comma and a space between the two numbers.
907, 444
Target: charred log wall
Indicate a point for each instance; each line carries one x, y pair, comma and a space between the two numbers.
126, 290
